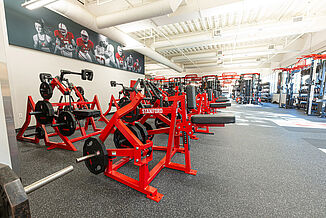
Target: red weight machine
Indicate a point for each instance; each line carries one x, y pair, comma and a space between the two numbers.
133, 146
68, 113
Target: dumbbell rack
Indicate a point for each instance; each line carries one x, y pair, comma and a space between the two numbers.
66, 142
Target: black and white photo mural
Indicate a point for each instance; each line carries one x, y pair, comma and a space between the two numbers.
47, 31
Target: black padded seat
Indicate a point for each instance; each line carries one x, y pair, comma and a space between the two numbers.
222, 100
220, 118
86, 113
220, 105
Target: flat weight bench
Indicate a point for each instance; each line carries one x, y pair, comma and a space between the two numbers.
222, 100
86, 113
220, 118
220, 105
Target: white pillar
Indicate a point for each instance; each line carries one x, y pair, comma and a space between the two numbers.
8, 145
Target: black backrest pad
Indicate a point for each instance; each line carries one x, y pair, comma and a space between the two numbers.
191, 97
210, 94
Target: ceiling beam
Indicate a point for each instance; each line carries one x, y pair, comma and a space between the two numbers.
245, 33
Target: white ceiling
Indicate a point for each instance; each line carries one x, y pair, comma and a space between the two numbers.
251, 31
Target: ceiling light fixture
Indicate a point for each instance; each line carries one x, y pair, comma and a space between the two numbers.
33, 4
99, 2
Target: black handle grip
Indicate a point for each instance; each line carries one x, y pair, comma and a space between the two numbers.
35, 113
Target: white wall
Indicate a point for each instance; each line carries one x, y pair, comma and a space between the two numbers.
4, 144
24, 66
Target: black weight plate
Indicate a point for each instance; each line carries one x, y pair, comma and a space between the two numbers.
68, 121
40, 133
80, 90
137, 132
47, 112
143, 131
149, 127
46, 90
120, 141
98, 163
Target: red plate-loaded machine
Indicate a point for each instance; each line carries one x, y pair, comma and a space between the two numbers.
67, 117
133, 142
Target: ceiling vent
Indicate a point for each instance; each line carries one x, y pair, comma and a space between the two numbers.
297, 19
272, 46
217, 33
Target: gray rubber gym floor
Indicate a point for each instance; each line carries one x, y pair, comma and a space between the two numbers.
270, 164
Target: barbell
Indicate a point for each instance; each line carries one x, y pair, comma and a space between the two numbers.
13, 196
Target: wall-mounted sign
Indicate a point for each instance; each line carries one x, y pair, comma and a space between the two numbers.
46, 31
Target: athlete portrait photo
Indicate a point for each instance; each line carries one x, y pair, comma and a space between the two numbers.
120, 59
130, 62
65, 44
137, 67
85, 47
104, 52
109, 54
67, 39
42, 40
